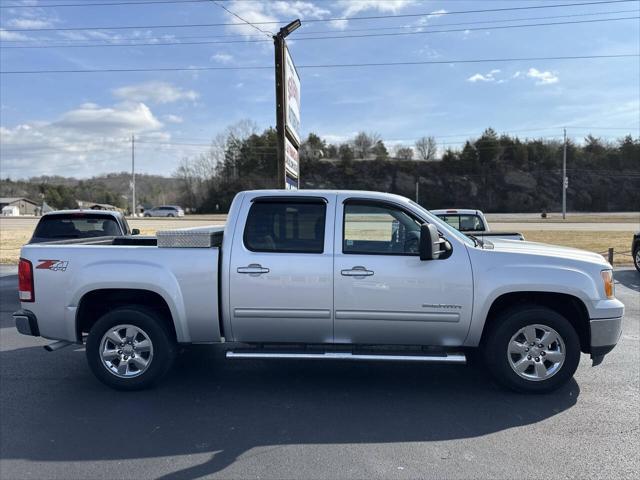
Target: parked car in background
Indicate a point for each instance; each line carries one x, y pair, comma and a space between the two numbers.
165, 211
635, 250
473, 223
72, 224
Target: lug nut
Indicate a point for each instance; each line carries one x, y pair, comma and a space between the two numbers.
537, 359
526, 349
528, 357
540, 346
542, 353
119, 352
126, 357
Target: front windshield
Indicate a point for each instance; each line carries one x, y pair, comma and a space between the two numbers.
443, 226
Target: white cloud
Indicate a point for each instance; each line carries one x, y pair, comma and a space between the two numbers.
543, 78
28, 23
172, 118
350, 7
222, 57
83, 141
155, 92
297, 9
4, 35
486, 77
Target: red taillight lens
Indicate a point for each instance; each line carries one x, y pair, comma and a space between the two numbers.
25, 281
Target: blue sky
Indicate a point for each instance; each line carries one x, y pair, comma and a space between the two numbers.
78, 124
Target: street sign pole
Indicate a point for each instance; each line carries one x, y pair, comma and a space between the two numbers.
278, 42
281, 100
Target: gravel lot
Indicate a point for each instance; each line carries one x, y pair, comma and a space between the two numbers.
214, 418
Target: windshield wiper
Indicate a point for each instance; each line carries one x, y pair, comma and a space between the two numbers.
476, 241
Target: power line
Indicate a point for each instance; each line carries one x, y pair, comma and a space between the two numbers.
320, 32
102, 4
330, 37
339, 65
268, 34
322, 20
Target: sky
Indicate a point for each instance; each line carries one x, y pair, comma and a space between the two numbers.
80, 124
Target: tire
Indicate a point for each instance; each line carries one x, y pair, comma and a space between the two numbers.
636, 259
542, 370
171, 215
147, 362
148, 215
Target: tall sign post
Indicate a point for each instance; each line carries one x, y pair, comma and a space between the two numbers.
287, 111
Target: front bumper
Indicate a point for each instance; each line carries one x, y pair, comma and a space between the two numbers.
605, 333
26, 323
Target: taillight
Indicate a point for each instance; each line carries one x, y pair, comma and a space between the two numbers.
25, 281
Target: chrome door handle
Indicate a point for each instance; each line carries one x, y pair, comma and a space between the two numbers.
253, 269
357, 272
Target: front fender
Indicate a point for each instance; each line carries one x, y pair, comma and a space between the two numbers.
495, 282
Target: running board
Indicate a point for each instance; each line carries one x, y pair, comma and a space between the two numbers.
458, 358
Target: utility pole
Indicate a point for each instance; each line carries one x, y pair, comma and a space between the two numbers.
133, 175
417, 191
564, 177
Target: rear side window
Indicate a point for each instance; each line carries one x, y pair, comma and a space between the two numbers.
58, 227
464, 223
282, 226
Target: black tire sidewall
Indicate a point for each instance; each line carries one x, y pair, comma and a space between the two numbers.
495, 348
635, 259
163, 347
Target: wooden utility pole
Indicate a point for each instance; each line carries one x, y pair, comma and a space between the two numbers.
133, 175
564, 177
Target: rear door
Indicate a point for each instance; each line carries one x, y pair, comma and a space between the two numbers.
383, 292
281, 270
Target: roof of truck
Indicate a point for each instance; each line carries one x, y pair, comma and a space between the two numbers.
83, 212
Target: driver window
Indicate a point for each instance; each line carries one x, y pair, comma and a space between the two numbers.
379, 229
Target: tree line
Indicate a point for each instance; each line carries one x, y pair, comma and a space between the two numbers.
494, 172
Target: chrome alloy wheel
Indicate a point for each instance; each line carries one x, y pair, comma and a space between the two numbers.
126, 351
536, 352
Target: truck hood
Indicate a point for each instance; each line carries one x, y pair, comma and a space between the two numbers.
543, 249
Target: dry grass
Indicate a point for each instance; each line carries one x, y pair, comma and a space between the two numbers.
12, 239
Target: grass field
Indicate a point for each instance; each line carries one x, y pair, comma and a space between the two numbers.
595, 241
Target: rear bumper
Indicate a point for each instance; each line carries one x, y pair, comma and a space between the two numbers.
26, 323
605, 333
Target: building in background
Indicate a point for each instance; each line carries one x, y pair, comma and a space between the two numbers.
24, 205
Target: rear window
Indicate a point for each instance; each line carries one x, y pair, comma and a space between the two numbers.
464, 223
286, 227
69, 226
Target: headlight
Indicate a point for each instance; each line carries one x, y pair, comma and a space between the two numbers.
607, 280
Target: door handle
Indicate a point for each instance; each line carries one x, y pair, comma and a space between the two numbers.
357, 272
254, 269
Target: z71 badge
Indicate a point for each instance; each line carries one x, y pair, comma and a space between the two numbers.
55, 265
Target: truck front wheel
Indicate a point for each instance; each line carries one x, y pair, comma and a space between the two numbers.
532, 349
130, 348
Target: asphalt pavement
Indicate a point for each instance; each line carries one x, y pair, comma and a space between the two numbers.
217, 418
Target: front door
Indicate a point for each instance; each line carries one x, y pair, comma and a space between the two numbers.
281, 277
383, 292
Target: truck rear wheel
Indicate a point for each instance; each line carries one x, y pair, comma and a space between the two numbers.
130, 348
532, 349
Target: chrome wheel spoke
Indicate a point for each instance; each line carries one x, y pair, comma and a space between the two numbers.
139, 362
530, 334
541, 370
553, 356
131, 333
110, 354
114, 337
123, 368
142, 346
547, 338
522, 364
517, 348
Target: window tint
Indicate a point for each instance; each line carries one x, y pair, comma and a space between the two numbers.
62, 226
379, 230
285, 227
464, 223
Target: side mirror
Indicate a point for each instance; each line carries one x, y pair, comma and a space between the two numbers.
432, 247
135, 231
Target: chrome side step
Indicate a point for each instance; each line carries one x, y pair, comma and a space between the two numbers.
458, 358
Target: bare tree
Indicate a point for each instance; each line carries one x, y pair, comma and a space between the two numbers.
403, 153
364, 142
426, 148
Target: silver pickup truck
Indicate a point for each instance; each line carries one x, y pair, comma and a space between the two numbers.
330, 275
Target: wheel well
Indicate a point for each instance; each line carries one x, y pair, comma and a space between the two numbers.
568, 306
96, 303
